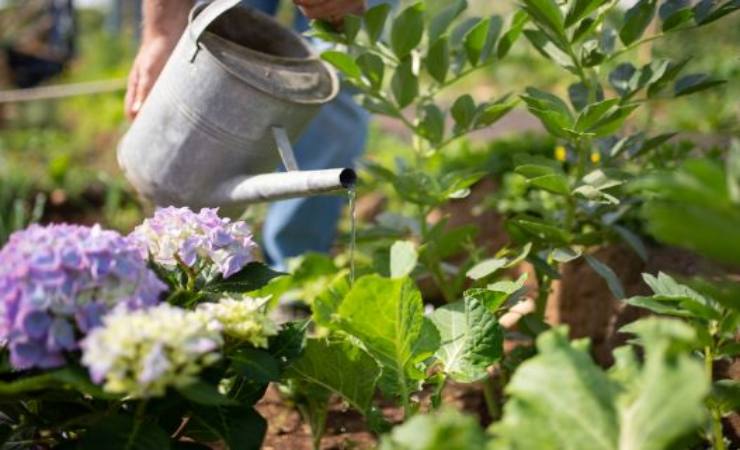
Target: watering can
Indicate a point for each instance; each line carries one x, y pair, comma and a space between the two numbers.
237, 89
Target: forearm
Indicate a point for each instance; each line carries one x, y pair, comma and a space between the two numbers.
165, 17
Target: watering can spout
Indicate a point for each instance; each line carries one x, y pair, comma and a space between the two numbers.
278, 186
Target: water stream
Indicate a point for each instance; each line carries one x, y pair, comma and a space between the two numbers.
352, 194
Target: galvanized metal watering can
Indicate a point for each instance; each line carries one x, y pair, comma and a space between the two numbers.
237, 88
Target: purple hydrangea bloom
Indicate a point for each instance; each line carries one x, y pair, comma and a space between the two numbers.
200, 239
57, 282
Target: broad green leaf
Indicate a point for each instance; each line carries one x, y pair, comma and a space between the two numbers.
508, 39
376, 106
636, 20
432, 124
326, 304
584, 29
68, 378
591, 54
437, 61
677, 19
623, 79
445, 429
612, 121
374, 19
343, 62
442, 21
254, 364
690, 84
407, 30
239, 427
403, 258
471, 339
562, 379
463, 111
578, 94
404, 84
580, 9
546, 101
637, 409
475, 40
372, 69
119, 432
679, 298
605, 272
486, 268
706, 13
490, 113
252, 277
387, 316
556, 183
655, 85
204, 394
547, 14
340, 367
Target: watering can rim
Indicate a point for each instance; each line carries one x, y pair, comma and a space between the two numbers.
222, 6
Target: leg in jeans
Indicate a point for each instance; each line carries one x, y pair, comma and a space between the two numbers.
335, 138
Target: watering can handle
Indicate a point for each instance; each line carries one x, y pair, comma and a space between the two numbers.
202, 16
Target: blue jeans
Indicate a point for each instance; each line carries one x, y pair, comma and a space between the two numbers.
335, 138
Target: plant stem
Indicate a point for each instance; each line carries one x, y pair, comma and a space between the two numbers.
717, 435
489, 393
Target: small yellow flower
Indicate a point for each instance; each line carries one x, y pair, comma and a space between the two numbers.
595, 157
560, 153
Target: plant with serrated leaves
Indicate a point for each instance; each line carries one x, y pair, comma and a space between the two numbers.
691, 207
401, 67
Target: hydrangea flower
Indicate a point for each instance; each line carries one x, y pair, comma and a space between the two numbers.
179, 233
242, 318
142, 353
57, 281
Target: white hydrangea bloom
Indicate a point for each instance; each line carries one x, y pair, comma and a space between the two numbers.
242, 318
142, 353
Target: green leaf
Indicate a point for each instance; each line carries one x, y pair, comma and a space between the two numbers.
676, 299
69, 378
578, 94
339, 367
636, 20
475, 40
240, 427
542, 231
327, 302
463, 111
252, 277
547, 14
444, 429
372, 69
204, 394
640, 411
612, 121
407, 30
511, 35
490, 113
387, 316
594, 113
633, 240
121, 432
486, 268
404, 84
696, 82
471, 339
375, 19
677, 19
706, 13
591, 54
549, 49
623, 79
343, 62
580, 9
669, 74
556, 183
351, 27
605, 272
255, 364
442, 21
432, 124
733, 171
403, 258
437, 61
551, 110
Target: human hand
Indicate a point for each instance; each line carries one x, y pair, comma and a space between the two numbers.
149, 62
332, 11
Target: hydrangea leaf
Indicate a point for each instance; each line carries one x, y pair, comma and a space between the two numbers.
471, 339
124, 433
387, 316
252, 277
561, 399
239, 427
339, 367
